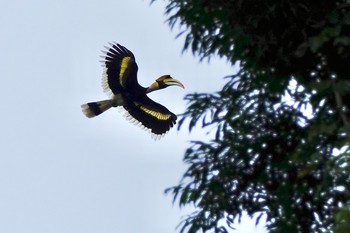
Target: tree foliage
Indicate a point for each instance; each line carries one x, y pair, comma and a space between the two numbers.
268, 157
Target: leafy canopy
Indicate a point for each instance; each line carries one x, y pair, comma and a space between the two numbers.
268, 156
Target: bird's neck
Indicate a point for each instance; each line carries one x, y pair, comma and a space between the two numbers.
153, 87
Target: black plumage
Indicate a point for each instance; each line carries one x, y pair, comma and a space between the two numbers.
120, 82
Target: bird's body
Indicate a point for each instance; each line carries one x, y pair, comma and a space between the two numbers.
120, 83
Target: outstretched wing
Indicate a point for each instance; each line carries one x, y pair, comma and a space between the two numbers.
120, 74
153, 116
120, 77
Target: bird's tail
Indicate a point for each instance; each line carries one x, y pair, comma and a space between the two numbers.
93, 109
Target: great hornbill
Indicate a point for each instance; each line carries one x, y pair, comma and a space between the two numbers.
120, 82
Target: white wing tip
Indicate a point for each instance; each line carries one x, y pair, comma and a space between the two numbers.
104, 83
136, 122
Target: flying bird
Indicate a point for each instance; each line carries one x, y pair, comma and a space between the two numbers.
120, 83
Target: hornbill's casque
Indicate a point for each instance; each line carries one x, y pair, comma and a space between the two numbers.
120, 82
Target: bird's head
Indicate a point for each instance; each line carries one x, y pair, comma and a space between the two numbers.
163, 82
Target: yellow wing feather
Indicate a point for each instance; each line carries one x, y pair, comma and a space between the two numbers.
124, 65
158, 115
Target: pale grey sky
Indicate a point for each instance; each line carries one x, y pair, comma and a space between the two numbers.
61, 172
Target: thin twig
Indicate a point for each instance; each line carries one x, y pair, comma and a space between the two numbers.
339, 104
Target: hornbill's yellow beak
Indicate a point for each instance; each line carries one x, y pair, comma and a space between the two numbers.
163, 82
173, 82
